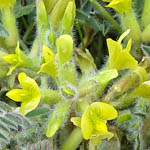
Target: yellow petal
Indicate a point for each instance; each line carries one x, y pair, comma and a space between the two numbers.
76, 121
124, 61
114, 49
17, 95
119, 58
86, 125
143, 90
103, 111
129, 45
20, 55
11, 59
29, 85
50, 68
123, 35
28, 105
11, 69
100, 126
48, 54
120, 6
142, 73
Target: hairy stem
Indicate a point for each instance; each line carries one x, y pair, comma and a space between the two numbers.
73, 140
9, 21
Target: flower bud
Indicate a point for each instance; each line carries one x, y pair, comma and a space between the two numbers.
68, 18
64, 47
57, 13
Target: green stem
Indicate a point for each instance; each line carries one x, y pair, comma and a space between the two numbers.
126, 84
24, 22
11, 80
81, 36
9, 22
44, 82
107, 16
35, 48
130, 21
49, 96
29, 29
91, 146
23, 45
42, 21
33, 64
73, 140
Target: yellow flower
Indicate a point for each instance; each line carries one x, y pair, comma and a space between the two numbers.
16, 60
49, 65
29, 95
7, 3
120, 58
120, 6
94, 119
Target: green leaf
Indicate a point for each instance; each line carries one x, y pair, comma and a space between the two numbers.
21, 11
57, 118
140, 107
124, 117
38, 112
85, 61
146, 50
10, 123
3, 32
104, 77
88, 20
96, 139
5, 107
